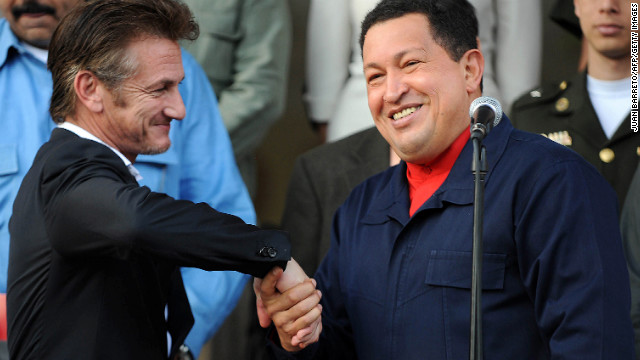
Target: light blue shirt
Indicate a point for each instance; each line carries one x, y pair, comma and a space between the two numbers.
199, 166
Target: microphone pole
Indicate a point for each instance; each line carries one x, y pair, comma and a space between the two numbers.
485, 113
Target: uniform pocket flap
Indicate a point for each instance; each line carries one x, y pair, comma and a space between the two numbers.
453, 269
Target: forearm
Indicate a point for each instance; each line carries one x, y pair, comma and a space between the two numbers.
124, 219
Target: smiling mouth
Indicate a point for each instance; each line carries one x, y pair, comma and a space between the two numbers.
405, 112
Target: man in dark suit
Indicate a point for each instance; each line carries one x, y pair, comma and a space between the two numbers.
94, 258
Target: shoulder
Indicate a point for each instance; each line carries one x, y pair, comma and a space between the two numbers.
542, 96
543, 155
536, 146
547, 108
370, 200
355, 157
378, 186
67, 151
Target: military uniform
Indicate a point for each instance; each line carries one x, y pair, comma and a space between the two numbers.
564, 113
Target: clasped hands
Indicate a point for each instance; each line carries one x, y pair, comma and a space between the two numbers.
290, 299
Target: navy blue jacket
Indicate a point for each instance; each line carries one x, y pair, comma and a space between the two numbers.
555, 284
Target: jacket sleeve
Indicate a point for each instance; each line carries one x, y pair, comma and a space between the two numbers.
571, 263
92, 213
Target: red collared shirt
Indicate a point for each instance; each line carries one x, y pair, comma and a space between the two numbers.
425, 179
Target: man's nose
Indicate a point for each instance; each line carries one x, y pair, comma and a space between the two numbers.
175, 109
395, 88
609, 6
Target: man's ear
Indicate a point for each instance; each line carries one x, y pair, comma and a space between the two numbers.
89, 90
473, 62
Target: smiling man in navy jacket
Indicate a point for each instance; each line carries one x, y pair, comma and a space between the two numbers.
396, 281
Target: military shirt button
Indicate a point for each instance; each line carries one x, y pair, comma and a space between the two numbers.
562, 104
607, 155
563, 85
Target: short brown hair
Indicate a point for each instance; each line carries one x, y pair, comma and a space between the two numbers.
94, 37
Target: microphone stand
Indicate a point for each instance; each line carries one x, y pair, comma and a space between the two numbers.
479, 168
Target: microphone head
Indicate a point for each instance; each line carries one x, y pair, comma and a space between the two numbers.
490, 102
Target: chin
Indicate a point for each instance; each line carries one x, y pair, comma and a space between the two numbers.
157, 149
412, 158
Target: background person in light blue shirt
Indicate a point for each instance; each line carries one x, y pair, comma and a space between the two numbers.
199, 166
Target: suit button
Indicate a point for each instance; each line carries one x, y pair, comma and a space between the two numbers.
268, 251
607, 155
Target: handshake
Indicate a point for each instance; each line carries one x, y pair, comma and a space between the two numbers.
290, 299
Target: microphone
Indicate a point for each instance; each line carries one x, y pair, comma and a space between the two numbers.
485, 113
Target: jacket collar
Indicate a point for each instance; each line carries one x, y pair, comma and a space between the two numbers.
8, 41
458, 188
98, 152
588, 124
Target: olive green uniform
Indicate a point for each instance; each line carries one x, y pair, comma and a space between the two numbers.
564, 113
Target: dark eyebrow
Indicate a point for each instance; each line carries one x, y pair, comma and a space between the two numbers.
396, 57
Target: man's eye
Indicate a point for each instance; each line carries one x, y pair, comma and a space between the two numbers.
374, 77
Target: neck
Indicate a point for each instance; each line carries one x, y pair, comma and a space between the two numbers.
91, 127
604, 68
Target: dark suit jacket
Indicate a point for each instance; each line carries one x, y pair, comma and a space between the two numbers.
94, 257
321, 180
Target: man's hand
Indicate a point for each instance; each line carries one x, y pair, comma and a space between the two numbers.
291, 300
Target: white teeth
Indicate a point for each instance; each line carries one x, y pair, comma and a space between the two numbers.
405, 112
